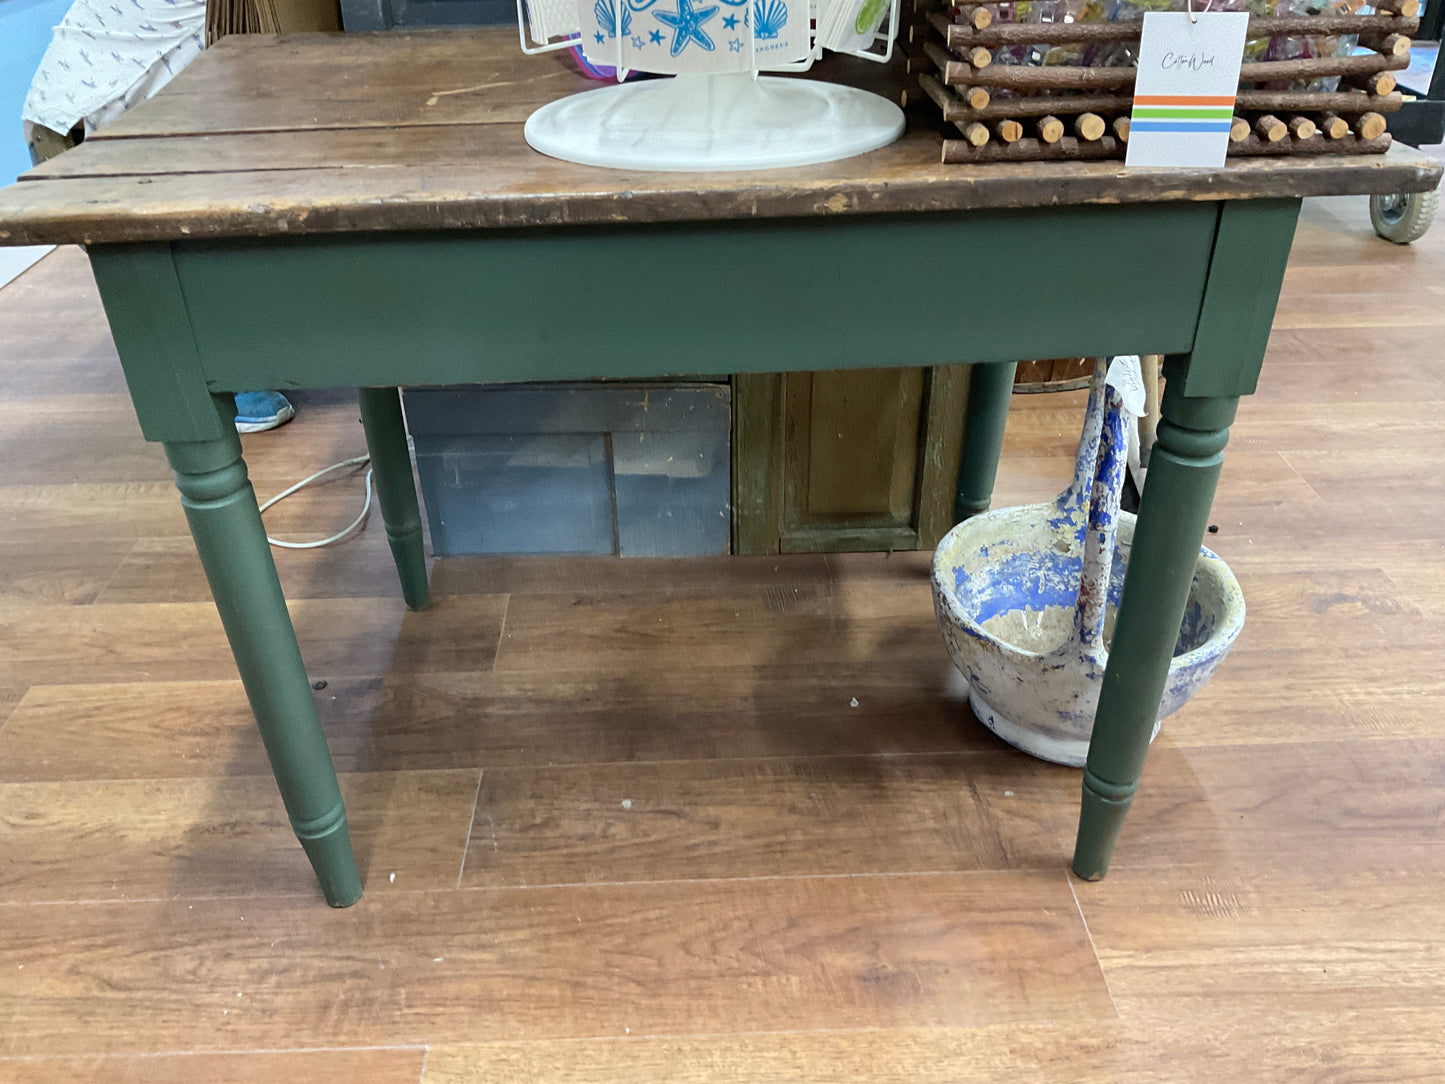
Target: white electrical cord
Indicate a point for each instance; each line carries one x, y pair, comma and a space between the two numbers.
357, 522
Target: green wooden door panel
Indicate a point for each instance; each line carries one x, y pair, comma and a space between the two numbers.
857, 460
876, 291
944, 428
851, 441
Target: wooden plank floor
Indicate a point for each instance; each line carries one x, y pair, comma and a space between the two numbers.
723, 820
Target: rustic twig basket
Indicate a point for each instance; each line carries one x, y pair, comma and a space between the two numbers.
967, 61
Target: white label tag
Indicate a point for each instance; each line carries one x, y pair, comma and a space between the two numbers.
1184, 92
1127, 378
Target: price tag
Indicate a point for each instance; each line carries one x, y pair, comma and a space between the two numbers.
1184, 92
1126, 376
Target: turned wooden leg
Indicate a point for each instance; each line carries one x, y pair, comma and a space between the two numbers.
1173, 515
395, 490
990, 386
221, 509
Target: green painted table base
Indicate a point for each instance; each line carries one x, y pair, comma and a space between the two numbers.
990, 388
1173, 514
395, 488
195, 320
231, 540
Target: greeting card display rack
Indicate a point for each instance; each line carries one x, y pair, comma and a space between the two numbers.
716, 112
994, 81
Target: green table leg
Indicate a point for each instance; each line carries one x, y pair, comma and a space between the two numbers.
221, 509
1173, 515
395, 490
990, 387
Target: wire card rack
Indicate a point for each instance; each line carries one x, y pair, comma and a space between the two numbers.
863, 28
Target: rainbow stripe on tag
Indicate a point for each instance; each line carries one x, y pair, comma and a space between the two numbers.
1182, 113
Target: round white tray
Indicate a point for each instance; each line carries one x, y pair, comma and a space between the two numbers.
698, 123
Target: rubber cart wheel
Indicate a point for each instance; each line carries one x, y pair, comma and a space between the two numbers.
1405, 216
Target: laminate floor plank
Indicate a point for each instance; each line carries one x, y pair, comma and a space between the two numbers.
10, 697
375, 1065
1306, 805
1381, 488
1324, 365
775, 818
658, 630
200, 838
111, 511
1351, 309
67, 439
1336, 230
184, 641
1262, 501
1344, 606
904, 570
399, 967
53, 334
162, 730
168, 569
1344, 1047
150, 509
775, 574
60, 571
1288, 428
1264, 423
1275, 936
1275, 694
421, 721
1347, 278
1400, 559
1423, 577
31, 368
1250, 478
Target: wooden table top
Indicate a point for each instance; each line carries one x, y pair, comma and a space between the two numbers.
320, 133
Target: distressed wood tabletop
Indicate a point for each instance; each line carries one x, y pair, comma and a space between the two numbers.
320, 133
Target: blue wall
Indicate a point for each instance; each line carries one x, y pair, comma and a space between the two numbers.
25, 27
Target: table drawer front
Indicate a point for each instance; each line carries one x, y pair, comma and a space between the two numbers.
753, 297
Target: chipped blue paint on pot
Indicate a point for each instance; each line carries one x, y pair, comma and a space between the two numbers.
1025, 598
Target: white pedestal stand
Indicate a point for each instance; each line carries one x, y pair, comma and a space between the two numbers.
701, 123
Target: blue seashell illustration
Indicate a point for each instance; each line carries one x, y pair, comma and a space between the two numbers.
769, 17
607, 18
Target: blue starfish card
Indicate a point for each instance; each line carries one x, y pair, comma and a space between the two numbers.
673, 37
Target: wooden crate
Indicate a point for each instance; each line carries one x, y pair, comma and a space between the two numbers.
1022, 112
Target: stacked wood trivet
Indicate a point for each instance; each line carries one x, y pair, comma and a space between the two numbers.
1011, 111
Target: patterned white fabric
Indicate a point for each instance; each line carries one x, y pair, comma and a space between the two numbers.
107, 54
